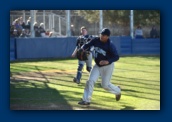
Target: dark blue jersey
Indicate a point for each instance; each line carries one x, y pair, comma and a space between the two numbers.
81, 40
103, 51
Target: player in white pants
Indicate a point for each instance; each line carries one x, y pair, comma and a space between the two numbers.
105, 56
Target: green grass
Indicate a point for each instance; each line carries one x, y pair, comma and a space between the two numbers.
48, 85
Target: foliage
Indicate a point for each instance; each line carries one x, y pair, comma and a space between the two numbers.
143, 17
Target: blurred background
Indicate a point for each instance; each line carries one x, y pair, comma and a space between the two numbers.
36, 34
118, 21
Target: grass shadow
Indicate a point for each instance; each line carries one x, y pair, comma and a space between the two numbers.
32, 96
126, 107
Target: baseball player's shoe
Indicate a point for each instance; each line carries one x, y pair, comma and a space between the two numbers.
119, 95
76, 81
83, 103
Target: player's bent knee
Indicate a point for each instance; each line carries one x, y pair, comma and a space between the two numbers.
80, 67
89, 69
90, 82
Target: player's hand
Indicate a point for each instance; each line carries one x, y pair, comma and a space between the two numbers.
104, 62
73, 55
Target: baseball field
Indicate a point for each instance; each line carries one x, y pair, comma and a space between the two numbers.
48, 85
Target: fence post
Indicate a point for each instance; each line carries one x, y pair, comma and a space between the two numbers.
31, 23
60, 26
101, 20
68, 32
44, 18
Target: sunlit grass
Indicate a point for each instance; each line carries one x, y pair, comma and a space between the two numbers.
139, 78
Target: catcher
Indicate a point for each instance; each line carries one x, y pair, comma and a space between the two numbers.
83, 57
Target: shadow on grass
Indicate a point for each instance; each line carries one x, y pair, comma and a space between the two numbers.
60, 81
28, 68
127, 107
34, 96
133, 70
42, 101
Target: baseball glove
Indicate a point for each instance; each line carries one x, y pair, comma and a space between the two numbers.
82, 55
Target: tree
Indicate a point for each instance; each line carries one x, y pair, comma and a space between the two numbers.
121, 17
147, 17
89, 15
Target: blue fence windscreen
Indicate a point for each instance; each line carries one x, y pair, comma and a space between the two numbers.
63, 47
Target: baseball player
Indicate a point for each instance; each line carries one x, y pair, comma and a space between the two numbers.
105, 56
81, 40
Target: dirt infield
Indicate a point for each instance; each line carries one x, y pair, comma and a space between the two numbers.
40, 75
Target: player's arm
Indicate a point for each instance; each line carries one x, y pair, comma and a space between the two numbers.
74, 52
114, 54
88, 44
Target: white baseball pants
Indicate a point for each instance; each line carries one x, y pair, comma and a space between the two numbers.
106, 73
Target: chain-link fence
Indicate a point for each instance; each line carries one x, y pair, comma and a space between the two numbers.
116, 30
52, 22
55, 21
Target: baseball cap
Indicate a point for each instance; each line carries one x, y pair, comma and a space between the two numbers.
105, 31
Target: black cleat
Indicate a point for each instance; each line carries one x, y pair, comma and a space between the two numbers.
76, 81
83, 103
118, 97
